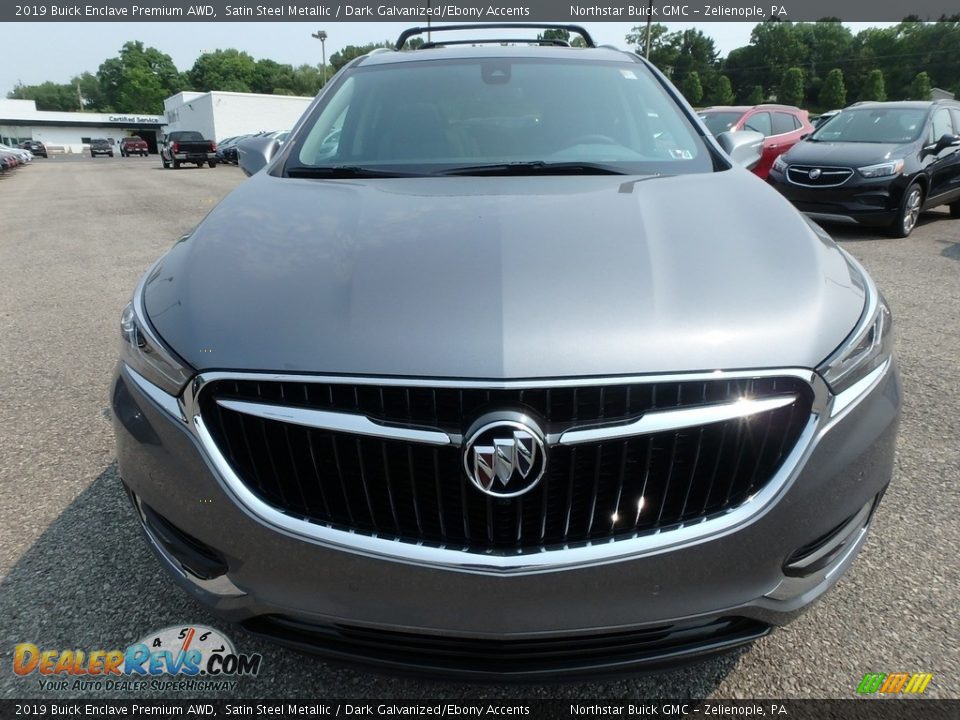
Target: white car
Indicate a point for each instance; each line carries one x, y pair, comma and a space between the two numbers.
25, 155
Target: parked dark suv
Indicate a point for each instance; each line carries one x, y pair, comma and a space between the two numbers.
501, 367
35, 146
876, 164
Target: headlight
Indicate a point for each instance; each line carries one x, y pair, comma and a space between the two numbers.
145, 353
882, 169
780, 164
867, 349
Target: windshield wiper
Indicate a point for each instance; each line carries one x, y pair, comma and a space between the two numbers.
347, 171
535, 167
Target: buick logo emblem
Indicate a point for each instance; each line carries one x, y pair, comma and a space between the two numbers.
814, 174
505, 458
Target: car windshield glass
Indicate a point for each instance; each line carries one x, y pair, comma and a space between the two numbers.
873, 125
436, 116
186, 135
718, 122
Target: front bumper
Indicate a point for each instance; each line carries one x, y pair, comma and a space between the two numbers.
642, 610
874, 202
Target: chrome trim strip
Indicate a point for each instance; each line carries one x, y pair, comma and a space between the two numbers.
825, 170
167, 402
792, 588
830, 217
859, 389
679, 419
195, 386
222, 585
841, 538
337, 422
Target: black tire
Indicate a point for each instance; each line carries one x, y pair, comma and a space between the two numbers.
176, 164
955, 209
909, 212
212, 163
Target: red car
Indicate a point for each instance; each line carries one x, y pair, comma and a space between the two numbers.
782, 127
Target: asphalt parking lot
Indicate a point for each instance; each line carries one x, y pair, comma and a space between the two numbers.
76, 573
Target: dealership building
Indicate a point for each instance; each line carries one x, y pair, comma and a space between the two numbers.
217, 115
71, 132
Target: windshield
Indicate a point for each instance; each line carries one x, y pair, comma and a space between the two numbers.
718, 122
186, 135
873, 125
424, 117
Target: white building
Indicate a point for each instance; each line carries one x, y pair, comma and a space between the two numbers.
219, 115
71, 132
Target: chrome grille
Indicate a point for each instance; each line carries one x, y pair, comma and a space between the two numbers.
827, 177
593, 491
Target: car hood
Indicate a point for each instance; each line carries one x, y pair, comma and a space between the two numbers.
843, 154
493, 277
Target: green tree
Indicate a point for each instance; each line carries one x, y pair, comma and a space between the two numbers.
138, 79
874, 88
48, 96
691, 88
792, 87
554, 34
833, 93
227, 70
270, 78
722, 92
342, 57
756, 96
920, 87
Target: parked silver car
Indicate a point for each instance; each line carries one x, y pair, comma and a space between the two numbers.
485, 375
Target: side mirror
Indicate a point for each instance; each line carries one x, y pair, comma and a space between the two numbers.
254, 153
743, 146
946, 140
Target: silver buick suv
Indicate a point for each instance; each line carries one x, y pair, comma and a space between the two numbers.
503, 367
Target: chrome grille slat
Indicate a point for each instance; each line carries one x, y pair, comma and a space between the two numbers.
830, 176
416, 492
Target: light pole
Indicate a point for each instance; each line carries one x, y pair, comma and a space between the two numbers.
646, 51
321, 35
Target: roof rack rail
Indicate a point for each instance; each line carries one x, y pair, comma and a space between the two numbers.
414, 31
497, 41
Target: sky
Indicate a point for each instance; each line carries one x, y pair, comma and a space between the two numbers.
36, 52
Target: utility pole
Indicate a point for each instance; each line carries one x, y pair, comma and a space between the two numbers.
429, 12
321, 35
646, 50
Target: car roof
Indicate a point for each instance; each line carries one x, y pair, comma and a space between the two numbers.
461, 52
744, 108
906, 104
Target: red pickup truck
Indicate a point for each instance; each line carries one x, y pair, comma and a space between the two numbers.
133, 146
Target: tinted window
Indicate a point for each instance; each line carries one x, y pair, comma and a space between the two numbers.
783, 123
434, 115
718, 122
877, 125
759, 123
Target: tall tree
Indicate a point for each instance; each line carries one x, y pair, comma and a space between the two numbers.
228, 70
874, 87
833, 93
722, 92
756, 96
342, 57
691, 88
792, 87
138, 79
920, 87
